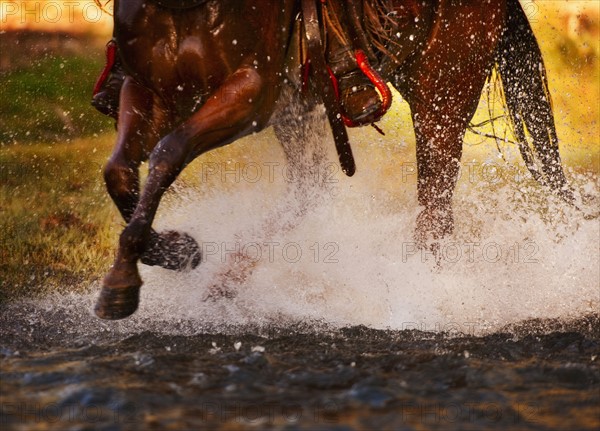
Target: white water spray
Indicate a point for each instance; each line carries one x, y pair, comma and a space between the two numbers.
344, 253
287, 242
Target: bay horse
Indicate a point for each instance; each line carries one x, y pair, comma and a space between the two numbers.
203, 73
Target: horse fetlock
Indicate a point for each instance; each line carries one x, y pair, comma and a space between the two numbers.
123, 274
134, 239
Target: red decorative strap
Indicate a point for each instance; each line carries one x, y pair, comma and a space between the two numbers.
111, 56
378, 82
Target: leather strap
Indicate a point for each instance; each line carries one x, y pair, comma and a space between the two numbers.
316, 55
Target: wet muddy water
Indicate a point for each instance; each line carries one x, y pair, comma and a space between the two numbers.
61, 371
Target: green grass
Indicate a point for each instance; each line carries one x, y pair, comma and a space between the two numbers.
56, 219
49, 100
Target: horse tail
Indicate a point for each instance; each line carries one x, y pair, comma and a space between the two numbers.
527, 96
103, 6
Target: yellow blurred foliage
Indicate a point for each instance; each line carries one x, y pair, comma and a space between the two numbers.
72, 16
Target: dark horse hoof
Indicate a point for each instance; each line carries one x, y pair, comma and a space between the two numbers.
172, 250
117, 302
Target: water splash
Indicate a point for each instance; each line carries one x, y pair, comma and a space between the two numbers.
341, 251
351, 260
280, 248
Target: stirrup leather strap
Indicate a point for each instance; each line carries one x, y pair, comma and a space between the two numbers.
316, 54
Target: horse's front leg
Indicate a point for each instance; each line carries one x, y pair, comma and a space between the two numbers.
141, 123
218, 122
135, 140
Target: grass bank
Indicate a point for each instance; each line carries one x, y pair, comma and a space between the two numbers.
57, 221
46, 83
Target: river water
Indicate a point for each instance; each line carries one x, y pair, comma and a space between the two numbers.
62, 369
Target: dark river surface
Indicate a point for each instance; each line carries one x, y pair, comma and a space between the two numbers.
65, 370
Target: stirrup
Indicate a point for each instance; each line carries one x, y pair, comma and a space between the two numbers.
365, 79
358, 98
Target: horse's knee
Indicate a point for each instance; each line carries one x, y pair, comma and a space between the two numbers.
251, 96
168, 159
252, 83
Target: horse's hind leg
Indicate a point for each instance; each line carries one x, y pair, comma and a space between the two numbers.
439, 149
440, 126
443, 87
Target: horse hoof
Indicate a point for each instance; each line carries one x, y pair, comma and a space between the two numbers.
172, 250
117, 302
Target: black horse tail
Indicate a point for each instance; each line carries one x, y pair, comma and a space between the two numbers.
525, 83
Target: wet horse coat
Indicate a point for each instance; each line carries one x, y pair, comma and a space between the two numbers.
204, 77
